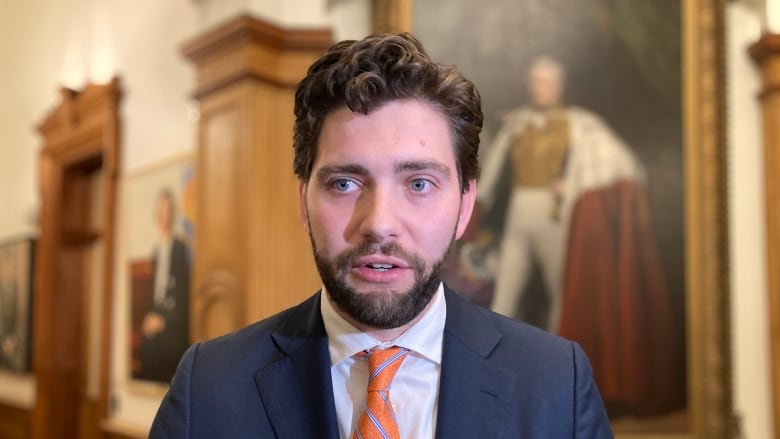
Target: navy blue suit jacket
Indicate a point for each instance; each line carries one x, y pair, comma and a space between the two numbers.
499, 379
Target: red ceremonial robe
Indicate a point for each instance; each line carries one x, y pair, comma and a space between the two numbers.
616, 304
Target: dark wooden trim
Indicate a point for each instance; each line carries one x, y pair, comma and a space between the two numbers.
14, 422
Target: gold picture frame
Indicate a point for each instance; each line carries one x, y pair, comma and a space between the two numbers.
704, 225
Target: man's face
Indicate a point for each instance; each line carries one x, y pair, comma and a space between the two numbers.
164, 215
546, 88
382, 207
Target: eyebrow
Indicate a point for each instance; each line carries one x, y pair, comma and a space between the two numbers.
352, 169
423, 165
404, 166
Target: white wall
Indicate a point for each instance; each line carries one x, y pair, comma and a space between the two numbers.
751, 378
772, 15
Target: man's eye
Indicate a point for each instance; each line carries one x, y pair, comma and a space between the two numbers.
420, 185
344, 185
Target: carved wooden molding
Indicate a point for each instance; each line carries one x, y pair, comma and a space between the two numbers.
766, 52
81, 118
247, 47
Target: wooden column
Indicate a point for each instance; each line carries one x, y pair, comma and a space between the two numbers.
252, 256
766, 52
391, 16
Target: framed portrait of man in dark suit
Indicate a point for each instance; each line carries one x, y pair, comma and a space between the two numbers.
159, 266
600, 208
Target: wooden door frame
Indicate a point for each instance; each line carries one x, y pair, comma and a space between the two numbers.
83, 130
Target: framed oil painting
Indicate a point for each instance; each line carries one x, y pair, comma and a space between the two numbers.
16, 287
600, 213
160, 235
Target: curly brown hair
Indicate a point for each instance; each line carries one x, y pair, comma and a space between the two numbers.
364, 75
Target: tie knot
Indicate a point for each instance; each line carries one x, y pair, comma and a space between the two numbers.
383, 365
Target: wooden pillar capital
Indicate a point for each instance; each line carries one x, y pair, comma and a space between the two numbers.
766, 53
246, 47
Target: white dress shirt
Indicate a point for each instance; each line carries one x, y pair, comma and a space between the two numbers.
415, 389
162, 271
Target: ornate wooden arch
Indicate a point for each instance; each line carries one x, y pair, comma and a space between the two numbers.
78, 168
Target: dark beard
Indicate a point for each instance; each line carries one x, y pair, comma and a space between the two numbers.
378, 309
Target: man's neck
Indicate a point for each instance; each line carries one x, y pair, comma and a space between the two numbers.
165, 238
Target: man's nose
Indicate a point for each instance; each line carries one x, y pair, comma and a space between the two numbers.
379, 213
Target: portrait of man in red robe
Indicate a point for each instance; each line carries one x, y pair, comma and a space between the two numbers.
579, 223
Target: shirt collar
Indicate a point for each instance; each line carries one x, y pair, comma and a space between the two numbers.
424, 338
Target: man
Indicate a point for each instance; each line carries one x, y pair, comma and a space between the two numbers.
554, 153
165, 328
386, 145
577, 208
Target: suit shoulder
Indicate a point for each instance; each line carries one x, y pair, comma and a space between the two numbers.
484, 330
253, 344
516, 331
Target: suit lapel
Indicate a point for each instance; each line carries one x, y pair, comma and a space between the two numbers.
297, 390
474, 394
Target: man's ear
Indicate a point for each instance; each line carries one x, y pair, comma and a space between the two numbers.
304, 210
467, 200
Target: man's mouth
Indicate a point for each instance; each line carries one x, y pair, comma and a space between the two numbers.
380, 262
381, 267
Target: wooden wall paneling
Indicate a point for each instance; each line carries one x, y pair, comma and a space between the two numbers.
80, 152
253, 257
391, 16
221, 219
288, 268
766, 53
14, 422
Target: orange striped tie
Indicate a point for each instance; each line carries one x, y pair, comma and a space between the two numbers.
378, 419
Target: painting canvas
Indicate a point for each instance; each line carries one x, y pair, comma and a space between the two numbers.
160, 252
580, 218
16, 287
